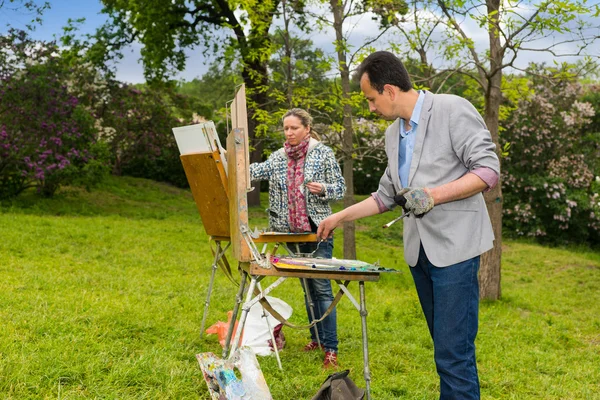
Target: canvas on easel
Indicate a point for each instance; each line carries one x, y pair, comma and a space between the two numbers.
205, 167
199, 138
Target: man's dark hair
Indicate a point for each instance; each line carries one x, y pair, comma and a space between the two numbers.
384, 68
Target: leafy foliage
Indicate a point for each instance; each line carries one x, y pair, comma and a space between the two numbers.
63, 121
212, 91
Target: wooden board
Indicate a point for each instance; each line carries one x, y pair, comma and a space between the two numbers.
239, 120
238, 200
208, 182
276, 237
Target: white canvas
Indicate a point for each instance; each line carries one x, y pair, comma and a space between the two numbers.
199, 138
192, 139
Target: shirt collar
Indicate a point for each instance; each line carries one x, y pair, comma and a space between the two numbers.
416, 114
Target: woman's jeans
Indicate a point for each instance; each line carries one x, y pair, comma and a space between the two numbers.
449, 298
322, 297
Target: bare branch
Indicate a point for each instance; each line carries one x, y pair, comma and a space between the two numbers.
457, 28
526, 24
367, 43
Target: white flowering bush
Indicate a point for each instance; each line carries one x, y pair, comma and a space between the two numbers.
549, 185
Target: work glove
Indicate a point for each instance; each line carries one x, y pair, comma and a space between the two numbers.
416, 200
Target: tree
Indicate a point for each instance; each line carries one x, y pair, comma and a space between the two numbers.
31, 9
299, 74
167, 28
343, 13
212, 91
512, 27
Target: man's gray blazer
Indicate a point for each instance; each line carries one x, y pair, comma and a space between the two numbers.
451, 140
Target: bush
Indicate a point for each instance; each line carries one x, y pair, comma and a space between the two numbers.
47, 138
136, 125
549, 187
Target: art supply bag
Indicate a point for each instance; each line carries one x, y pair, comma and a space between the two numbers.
339, 386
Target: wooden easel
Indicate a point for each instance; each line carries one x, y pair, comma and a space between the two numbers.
210, 188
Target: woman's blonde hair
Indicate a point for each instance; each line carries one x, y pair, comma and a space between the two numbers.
305, 119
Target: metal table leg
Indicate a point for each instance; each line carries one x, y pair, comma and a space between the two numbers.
363, 317
271, 332
309, 300
311, 308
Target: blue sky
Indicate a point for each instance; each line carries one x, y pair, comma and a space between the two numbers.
130, 69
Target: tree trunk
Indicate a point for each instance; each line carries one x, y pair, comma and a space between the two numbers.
257, 99
287, 45
349, 227
255, 52
348, 135
490, 270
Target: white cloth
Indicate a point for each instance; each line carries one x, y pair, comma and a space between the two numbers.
256, 330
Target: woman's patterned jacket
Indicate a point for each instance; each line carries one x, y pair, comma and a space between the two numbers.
319, 166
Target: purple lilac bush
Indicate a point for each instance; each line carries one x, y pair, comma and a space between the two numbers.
62, 122
47, 138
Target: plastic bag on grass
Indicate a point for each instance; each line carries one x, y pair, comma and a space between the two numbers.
256, 330
220, 329
256, 333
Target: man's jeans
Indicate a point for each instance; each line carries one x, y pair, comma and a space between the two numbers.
322, 297
449, 298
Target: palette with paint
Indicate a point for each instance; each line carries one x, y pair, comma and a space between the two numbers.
326, 264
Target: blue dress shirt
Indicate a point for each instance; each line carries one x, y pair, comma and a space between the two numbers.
407, 140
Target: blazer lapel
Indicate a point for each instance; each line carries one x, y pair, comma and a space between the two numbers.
421, 132
393, 143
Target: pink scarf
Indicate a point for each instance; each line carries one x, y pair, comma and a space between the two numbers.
298, 215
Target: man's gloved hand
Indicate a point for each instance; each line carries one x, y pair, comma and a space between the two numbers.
417, 200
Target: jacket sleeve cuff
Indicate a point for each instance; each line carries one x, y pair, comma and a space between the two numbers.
487, 175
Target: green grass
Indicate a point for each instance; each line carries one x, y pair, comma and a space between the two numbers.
102, 297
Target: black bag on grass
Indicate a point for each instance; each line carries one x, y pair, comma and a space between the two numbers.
339, 386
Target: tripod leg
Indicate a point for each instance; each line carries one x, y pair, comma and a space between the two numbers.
238, 300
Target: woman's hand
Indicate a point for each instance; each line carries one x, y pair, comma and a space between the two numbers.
315, 187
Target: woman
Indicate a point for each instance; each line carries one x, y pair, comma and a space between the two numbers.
303, 178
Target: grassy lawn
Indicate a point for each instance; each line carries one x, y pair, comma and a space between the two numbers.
101, 296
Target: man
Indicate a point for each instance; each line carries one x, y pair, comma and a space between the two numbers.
440, 158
